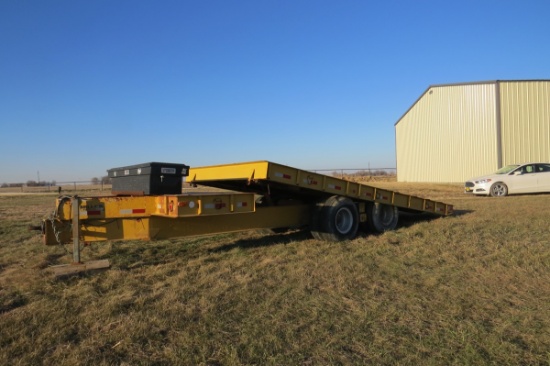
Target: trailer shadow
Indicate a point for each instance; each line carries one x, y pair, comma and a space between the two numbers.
407, 219
265, 241
461, 212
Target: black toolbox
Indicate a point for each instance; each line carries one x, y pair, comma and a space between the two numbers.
148, 178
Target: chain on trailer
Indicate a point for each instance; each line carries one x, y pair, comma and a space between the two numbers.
55, 221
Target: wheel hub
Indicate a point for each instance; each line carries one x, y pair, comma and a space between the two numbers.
344, 220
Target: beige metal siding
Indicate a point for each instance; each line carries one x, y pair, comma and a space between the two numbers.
449, 134
525, 121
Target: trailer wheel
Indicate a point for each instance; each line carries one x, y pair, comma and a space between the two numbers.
336, 219
381, 217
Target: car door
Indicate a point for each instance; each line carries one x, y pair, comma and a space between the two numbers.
543, 177
524, 180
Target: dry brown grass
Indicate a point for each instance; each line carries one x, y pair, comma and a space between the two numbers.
469, 289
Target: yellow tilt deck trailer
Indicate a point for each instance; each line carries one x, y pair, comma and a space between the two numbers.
252, 195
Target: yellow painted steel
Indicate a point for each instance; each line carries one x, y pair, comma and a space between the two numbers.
263, 218
164, 227
109, 207
58, 232
241, 171
167, 216
205, 204
145, 206
323, 184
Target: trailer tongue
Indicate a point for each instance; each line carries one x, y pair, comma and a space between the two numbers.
253, 195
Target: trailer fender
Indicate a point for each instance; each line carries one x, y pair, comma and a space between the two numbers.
335, 219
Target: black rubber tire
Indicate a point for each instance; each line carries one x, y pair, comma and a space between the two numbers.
498, 189
336, 219
381, 218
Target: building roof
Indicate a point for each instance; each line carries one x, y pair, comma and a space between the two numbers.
466, 83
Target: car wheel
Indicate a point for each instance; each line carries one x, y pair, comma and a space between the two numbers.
499, 189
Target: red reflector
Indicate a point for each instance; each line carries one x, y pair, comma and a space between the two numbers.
94, 212
138, 210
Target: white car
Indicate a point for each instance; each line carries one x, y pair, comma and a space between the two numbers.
525, 178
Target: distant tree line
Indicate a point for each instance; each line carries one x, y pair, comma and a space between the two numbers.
102, 180
11, 185
30, 183
53, 183
364, 173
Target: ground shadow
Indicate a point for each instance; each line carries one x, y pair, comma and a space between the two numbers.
461, 212
266, 241
408, 219
51, 259
12, 301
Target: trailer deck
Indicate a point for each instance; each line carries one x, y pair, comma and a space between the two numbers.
280, 181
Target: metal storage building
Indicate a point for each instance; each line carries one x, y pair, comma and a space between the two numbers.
457, 131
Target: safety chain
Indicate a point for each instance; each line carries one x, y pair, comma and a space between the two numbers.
54, 217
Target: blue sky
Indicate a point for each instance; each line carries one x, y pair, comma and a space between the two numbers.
86, 86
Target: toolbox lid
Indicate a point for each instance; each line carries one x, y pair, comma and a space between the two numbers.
152, 168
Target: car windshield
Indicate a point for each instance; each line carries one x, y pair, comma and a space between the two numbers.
507, 169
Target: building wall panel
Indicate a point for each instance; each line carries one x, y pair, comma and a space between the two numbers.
449, 133
525, 121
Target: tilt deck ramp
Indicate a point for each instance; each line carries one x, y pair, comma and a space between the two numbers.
279, 182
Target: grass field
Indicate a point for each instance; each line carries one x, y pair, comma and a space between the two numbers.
471, 289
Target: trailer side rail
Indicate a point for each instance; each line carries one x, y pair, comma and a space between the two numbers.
235, 176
